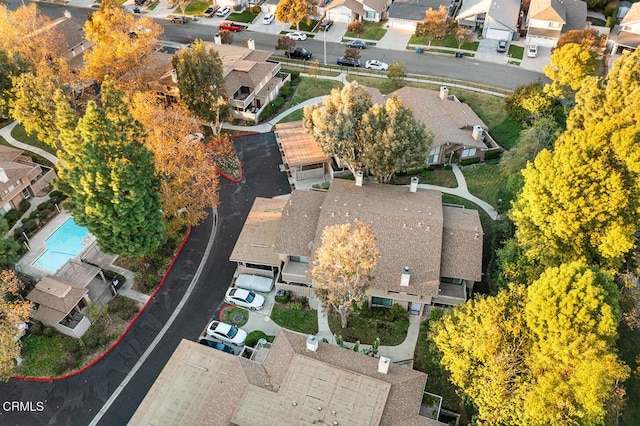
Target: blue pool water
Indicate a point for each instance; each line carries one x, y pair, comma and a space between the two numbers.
64, 244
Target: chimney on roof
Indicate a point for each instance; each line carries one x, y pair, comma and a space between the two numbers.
3, 176
67, 14
174, 76
477, 132
444, 93
251, 44
383, 365
414, 184
312, 343
359, 177
406, 275
217, 39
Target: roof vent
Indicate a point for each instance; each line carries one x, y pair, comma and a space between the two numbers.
359, 177
414, 184
312, 343
406, 275
174, 76
444, 93
383, 365
477, 132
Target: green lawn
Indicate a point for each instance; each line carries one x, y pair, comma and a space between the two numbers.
516, 51
42, 353
629, 348
310, 88
229, 316
294, 116
153, 5
448, 41
244, 17
366, 328
372, 31
485, 181
195, 7
31, 139
304, 321
306, 26
35, 157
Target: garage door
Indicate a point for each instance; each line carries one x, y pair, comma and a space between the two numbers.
542, 41
496, 34
339, 16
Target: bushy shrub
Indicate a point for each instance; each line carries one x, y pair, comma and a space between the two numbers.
285, 91
12, 217
48, 331
24, 205
45, 212
397, 312
266, 112
277, 102
29, 225
611, 22
237, 8
295, 306
284, 298
253, 337
91, 341
491, 155
469, 161
42, 206
55, 193
295, 75
255, 9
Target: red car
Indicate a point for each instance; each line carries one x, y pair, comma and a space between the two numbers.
231, 26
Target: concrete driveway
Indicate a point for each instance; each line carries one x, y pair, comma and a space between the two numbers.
395, 38
487, 52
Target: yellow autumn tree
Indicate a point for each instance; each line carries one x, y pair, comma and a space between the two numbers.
342, 267
569, 66
13, 313
188, 181
293, 11
123, 46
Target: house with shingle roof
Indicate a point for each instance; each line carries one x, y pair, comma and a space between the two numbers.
547, 20
299, 381
629, 35
21, 178
354, 10
407, 14
57, 303
498, 19
251, 79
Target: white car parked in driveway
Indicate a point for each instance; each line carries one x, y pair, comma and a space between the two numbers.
297, 35
226, 332
245, 298
268, 18
224, 11
532, 51
374, 64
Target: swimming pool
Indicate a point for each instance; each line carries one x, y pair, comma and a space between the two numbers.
64, 244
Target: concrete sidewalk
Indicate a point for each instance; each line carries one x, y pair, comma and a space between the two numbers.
5, 132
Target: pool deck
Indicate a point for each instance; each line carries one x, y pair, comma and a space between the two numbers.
103, 260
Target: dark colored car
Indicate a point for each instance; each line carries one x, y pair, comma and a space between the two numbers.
502, 46
299, 53
231, 26
357, 44
211, 10
348, 62
325, 25
217, 345
179, 20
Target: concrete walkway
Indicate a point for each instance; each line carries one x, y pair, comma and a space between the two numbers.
5, 132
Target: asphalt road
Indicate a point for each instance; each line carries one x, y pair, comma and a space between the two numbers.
75, 401
465, 69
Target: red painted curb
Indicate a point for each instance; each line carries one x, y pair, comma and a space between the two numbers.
244, 134
229, 177
222, 310
133, 321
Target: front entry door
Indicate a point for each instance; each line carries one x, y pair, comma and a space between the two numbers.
415, 308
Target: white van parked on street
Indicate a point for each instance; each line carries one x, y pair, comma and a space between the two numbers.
255, 283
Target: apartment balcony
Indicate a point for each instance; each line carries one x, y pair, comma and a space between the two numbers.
450, 294
242, 99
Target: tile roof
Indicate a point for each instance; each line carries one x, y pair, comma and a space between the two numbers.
299, 147
258, 236
461, 244
203, 386
408, 229
299, 223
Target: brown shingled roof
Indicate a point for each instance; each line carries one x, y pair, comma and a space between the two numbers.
56, 294
461, 244
408, 229
203, 386
299, 223
547, 10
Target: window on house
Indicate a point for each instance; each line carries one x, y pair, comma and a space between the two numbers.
448, 280
299, 259
370, 15
555, 25
433, 155
381, 301
468, 152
